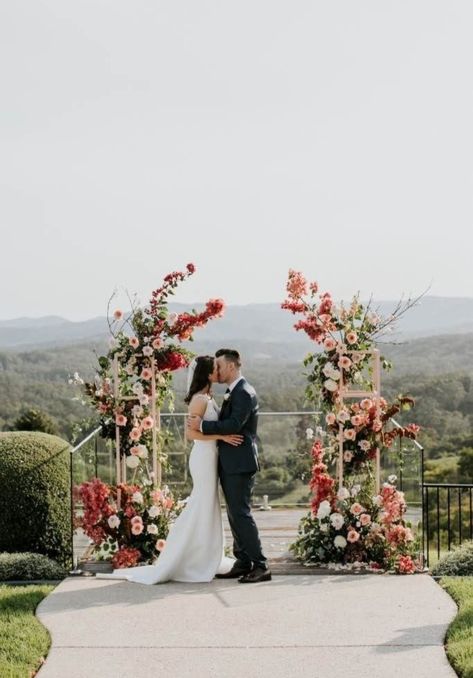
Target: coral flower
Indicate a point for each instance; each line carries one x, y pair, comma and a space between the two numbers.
120, 420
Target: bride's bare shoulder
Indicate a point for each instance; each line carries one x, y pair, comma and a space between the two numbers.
198, 403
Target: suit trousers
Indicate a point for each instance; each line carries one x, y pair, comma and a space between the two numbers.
237, 489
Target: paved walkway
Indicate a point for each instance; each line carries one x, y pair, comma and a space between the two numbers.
376, 626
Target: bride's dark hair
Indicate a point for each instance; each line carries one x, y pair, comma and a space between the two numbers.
204, 366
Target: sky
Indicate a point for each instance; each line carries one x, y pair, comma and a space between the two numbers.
248, 137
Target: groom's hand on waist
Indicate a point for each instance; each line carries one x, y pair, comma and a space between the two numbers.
194, 422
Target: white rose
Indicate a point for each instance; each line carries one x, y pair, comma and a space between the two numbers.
137, 388
330, 385
309, 432
137, 498
340, 542
343, 416
392, 479
147, 351
337, 520
355, 489
143, 451
114, 521
343, 493
324, 510
154, 512
152, 529
144, 399
324, 527
377, 500
328, 368
132, 461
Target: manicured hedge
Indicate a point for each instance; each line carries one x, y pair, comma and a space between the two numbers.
29, 567
35, 495
457, 563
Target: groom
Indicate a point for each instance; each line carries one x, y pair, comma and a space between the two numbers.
237, 466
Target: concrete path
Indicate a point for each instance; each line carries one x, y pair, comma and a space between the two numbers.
375, 626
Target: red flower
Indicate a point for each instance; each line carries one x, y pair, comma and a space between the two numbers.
321, 483
125, 557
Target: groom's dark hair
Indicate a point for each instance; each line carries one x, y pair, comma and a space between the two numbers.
230, 356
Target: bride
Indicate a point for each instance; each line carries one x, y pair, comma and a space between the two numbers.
194, 550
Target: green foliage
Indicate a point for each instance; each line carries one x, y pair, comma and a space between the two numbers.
460, 633
35, 495
24, 642
35, 420
29, 567
458, 562
465, 465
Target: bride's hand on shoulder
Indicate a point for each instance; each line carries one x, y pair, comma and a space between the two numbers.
233, 439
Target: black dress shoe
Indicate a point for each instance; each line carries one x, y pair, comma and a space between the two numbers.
235, 572
256, 575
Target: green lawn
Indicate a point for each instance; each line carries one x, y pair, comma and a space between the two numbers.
460, 633
23, 640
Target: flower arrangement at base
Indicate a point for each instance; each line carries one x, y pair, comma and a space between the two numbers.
134, 532
354, 526
129, 521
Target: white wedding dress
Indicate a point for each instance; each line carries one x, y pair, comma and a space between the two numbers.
194, 550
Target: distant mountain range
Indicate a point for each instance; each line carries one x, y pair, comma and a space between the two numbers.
262, 328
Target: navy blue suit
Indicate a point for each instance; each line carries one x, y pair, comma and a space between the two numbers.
237, 467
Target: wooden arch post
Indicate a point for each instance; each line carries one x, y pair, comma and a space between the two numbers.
120, 461
374, 393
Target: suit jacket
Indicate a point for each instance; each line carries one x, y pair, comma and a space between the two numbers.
239, 414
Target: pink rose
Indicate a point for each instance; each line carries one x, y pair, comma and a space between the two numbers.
352, 337
377, 425
157, 343
349, 434
365, 519
366, 404
147, 423
118, 315
330, 419
146, 373
135, 451
133, 341
329, 343
160, 545
344, 362
120, 420
135, 434
353, 536
357, 420
137, 519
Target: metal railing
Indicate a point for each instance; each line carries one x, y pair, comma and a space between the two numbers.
447, 517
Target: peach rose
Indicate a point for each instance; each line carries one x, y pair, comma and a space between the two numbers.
118, 314
160, 545
135, 451
137, 528
353, 536
357, 420
330, 418
133, 341
146, 373
365, 519
352, 337
120, 420
349, 434
366, 404
347, 456
344, 362
356, 509
147, 423
135, 434
329, 343
157, 343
